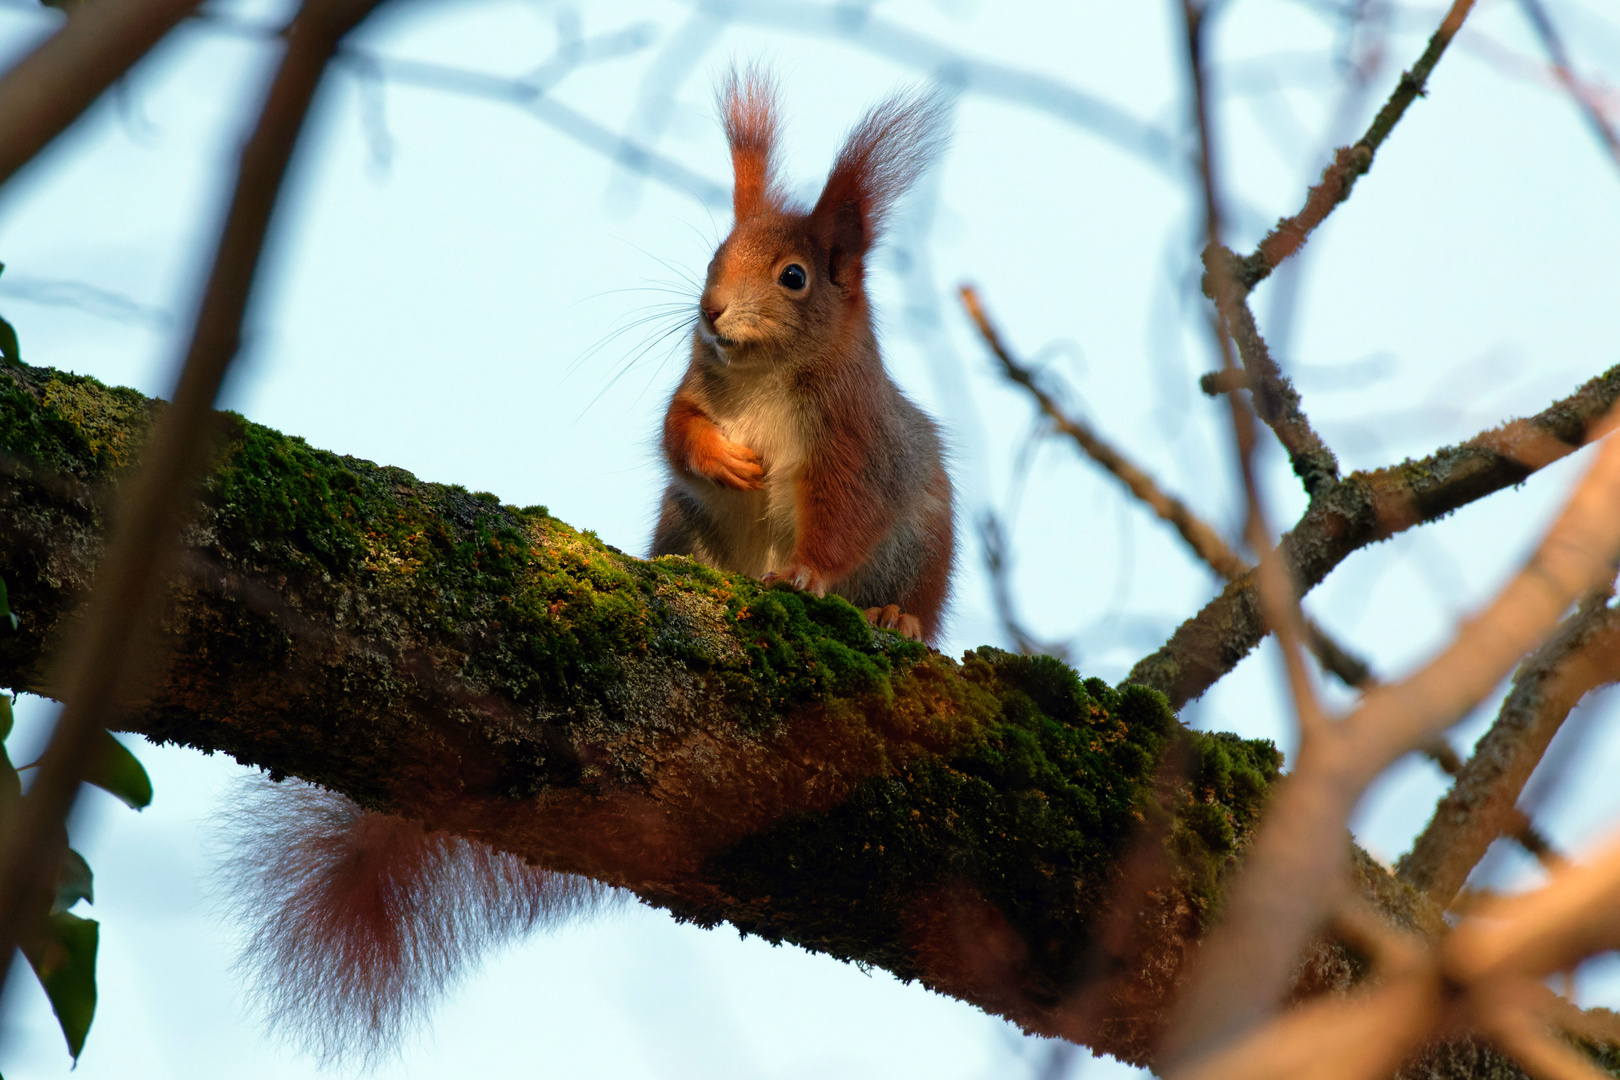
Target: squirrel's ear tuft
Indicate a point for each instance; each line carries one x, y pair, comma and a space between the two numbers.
883, 156
748, 110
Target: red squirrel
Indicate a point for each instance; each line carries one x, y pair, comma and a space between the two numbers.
792, 455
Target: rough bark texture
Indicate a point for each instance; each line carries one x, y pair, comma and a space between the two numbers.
1362, 509
1045, 847
726, 751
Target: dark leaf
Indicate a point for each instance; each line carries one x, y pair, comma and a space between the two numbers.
73, 882
5, 606
115, 769
63, 956
10, 782
9, 352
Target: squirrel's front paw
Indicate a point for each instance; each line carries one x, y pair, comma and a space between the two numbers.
730, 465
798, 576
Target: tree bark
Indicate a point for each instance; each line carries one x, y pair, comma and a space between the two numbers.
1047, 848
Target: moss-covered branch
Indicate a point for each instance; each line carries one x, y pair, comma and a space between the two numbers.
999, 829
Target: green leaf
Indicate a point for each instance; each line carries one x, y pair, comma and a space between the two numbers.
9, 350
5, 602
63, 956
114, 769
11, 353
5, 717
74, 882
10, 782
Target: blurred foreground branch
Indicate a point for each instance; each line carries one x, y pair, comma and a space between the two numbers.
49, 88
100, 665
1296, 868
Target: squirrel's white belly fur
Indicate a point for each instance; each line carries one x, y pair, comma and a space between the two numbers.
760, 527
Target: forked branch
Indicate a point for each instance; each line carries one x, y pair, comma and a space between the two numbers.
1295, 869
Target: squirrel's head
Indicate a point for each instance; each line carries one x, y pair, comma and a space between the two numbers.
787, 279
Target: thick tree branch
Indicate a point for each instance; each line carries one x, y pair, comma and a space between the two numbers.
1366, 507
727, 751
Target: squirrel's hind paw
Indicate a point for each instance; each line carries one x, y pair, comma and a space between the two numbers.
892, 618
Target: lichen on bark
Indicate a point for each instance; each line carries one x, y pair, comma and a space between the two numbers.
728, 751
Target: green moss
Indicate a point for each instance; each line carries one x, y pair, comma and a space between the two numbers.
1029, 809
71, 423
1006, 776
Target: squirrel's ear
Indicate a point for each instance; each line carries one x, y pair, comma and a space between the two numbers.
748, 109
882, 157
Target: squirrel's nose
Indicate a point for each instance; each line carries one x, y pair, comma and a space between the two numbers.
713, 313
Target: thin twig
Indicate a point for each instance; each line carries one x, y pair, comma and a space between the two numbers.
1536, 13
1275, 399
102, 669
533, 93
864, 29
1583, 654
1205, 542
1278, 594
994, 542
47, 89
1350, 162
1199, 535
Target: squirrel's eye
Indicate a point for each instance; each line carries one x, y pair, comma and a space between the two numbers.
792, 277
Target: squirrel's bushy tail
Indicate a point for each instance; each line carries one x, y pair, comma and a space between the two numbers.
356, 922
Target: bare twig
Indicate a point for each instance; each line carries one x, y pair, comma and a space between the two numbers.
1275, 399
101, 671
1350, 162
994, 542
1366, 507
1536, 13
1205, 542
863, 29
1199, 535
1278, 595
533, 93
48, 89
1295, 867
1481, 805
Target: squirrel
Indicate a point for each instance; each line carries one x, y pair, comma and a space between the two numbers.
792, 457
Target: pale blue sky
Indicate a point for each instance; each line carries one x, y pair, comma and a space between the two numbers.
449, 273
